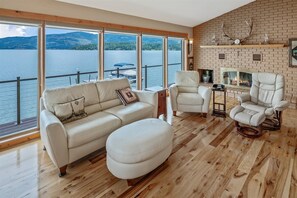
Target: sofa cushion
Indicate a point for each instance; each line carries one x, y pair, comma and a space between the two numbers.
107, 88
132, 112
189, 99
91, 128
89, 91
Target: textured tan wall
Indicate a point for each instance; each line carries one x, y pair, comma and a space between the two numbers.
277, 18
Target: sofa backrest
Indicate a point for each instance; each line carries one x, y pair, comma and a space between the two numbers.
267, 89
187, 81
107, 91
55, 96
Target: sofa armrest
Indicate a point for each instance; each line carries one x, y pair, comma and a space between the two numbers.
54, 138
244, 98
148, 97
205, 93
173, 92
282, 105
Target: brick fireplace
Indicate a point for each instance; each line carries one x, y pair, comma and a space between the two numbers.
275, 60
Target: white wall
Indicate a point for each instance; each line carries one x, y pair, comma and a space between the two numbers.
53, 7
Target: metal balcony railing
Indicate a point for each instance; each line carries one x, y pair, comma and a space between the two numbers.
31, 121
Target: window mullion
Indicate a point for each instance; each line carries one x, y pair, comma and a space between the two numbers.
165, 62
139, 62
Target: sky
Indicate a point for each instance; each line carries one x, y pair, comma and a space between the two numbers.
7, 30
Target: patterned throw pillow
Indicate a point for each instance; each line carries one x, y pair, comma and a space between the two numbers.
70, 111
126, 96
78, 106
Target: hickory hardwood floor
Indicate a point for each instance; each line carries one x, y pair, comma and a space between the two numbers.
209, 159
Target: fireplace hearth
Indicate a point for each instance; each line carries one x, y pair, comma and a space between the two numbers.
236, 77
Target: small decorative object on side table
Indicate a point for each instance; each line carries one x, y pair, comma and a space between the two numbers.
162, 105
221, 110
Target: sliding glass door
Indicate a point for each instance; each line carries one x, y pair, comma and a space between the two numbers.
72, 56
18, 77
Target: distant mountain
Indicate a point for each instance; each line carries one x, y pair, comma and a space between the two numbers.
85, 41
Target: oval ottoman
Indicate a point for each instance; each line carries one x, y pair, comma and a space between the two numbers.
138, 148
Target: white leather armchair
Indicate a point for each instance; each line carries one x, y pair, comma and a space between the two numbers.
187, 96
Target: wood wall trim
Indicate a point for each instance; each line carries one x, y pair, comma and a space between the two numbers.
245, 46
13, 141
83, 22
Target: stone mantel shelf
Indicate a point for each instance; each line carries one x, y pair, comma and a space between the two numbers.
244, 46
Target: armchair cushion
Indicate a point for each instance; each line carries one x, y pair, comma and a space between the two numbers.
204, 92
187, 78
246, 116
257, 108
244, 98
189, 99
282, 105
186, 89
173, 92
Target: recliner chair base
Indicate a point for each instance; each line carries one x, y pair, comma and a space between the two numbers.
249, 131
273, 124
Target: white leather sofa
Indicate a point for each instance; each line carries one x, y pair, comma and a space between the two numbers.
66, 143
187, 96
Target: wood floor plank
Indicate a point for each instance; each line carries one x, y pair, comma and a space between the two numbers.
293, 188
240, 175
209, 159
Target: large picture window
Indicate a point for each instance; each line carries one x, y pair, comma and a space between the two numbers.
175, 60
120, 56
18, 77
71, 56
152, 61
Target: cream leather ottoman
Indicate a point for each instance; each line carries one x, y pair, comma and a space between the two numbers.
253, 119
138, 148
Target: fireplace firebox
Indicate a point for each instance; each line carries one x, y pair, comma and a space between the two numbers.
236, 77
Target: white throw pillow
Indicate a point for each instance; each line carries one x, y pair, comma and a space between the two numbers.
70, 111
63, 111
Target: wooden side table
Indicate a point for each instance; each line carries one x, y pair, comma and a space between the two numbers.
162, 104
218, 109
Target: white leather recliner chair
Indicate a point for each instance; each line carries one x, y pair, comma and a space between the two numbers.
263, 103
187, 96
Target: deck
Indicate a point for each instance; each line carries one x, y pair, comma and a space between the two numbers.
12, 127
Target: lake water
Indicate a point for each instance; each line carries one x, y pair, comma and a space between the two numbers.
24, 63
